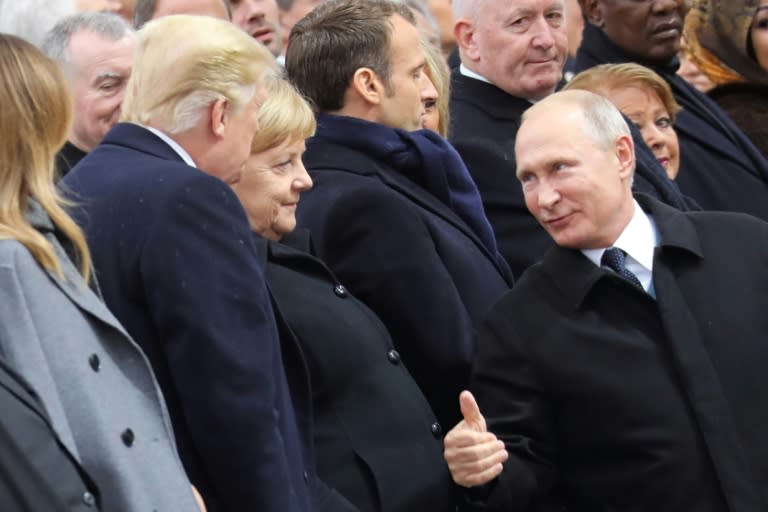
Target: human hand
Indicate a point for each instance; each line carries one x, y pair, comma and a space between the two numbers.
474, 455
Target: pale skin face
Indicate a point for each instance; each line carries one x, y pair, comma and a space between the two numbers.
212, 8
259, 18
759, 34
518, 45
400, 105
270, 187
100, 70
578, 191
643, 107
429, 97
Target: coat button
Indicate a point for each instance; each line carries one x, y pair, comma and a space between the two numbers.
127, 437
89, 499
95, 362
340, 291
306, 477
437, 430
393, 356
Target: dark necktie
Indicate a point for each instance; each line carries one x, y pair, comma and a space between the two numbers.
613, 258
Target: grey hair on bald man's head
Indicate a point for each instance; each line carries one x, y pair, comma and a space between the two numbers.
57, 40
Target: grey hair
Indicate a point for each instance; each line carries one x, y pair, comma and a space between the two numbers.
285, 5
57, 40
602, 120
145, 9
31, 19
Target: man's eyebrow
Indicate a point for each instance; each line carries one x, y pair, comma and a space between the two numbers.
103, 75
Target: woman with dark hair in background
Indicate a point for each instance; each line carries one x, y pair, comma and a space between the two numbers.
728, 41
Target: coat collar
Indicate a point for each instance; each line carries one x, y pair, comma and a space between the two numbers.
575, 276
336, 156
487, 97
71, 282
137, 137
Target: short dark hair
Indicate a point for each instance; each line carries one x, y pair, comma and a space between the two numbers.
337, 38
144, 10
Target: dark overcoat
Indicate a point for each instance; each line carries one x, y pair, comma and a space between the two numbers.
609, 400
37, 472
409, 258
484, 124
173, 253
373, 436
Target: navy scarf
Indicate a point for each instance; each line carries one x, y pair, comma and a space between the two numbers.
424, 157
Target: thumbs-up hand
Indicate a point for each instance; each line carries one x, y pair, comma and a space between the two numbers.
473, 454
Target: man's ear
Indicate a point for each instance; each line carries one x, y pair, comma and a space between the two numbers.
625, 154
593, 11
464, 32
367, 85
220, 113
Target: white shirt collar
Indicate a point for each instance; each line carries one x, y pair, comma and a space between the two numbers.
174, 146
464, 70
639, 239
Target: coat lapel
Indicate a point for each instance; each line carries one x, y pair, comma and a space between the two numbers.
70, 282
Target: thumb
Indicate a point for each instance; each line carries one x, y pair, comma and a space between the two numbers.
471, 412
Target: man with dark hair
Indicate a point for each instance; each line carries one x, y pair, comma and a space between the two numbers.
625, 371
150, 9
95, 54
393, 211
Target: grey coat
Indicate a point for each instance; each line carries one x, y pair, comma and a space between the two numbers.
93, 379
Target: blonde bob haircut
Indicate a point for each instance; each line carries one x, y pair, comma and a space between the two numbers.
438, 72
285, 116
35, 116
605, 78
185, 63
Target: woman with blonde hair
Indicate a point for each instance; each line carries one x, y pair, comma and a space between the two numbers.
374, 440
94, 381
645, 98
436, 104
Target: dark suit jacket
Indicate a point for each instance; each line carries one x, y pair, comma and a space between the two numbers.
609, 400
37, 473
407, 256
719, 166
373, 434
484, 124
173, 253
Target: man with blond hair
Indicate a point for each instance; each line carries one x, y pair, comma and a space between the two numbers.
172, 251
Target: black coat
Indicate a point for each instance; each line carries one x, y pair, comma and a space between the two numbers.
609, 400
37, 473
484, 124
374, 439
172, 249
409, 258
720, 168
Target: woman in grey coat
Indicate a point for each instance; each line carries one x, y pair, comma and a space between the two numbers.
94, 381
